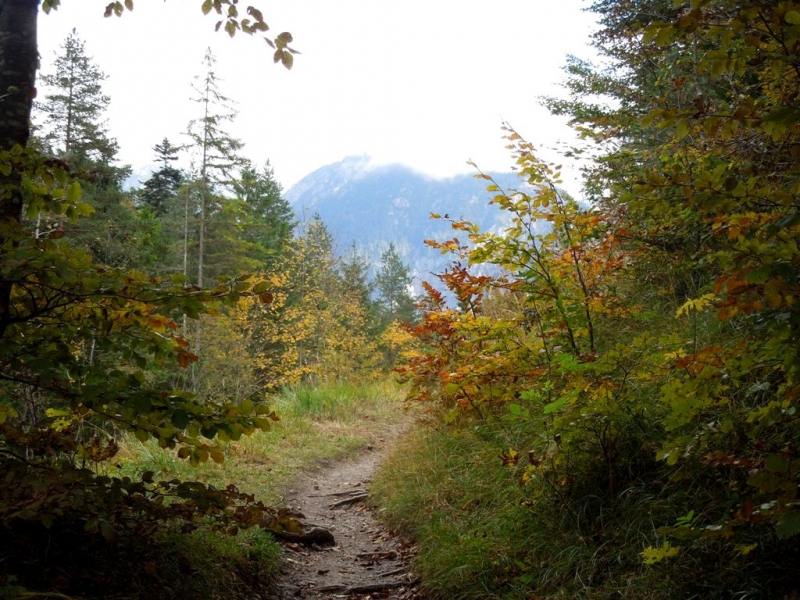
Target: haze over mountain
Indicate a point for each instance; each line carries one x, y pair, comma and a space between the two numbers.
375, 205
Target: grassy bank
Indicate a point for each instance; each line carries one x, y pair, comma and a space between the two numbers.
316, 424
482, 535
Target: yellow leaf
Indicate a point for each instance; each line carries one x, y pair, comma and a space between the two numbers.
698, 304
746, 549
653, 555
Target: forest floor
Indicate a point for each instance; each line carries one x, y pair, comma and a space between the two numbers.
363, 560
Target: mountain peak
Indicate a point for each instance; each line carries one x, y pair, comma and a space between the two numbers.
375, 204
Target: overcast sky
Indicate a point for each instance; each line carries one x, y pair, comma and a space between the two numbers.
426, 83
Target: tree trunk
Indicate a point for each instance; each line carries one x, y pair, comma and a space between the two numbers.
18, 59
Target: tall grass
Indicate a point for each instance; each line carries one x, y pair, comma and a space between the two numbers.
316, 424
481, 535
338, 401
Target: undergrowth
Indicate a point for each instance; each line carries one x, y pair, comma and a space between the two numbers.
316, 424
483, 535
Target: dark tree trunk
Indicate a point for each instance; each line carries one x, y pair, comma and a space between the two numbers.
18, 59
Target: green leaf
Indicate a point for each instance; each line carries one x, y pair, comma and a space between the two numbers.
792, 17
650, 34
788, 526
682, 129
235, 431
262, 423
554, 406
209, 432
206, 8
74, 192
106, 530
261, 287
665, 36
180, 418
776, 463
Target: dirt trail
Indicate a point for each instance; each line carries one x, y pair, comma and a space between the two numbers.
366, 560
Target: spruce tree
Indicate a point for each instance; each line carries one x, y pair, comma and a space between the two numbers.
73, 113
354, 271
392, 282
267, 219
217, 155
355, 284
73, 128
163, 183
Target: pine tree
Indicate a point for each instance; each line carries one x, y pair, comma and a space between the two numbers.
218, 158
392, 282
163, 183
73, 107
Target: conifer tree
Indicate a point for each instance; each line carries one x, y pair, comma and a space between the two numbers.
355, 277
73, 109
392, 282
267, 219
217, 154
74, 129
163, 183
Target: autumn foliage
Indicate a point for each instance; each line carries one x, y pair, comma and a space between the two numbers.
647, 340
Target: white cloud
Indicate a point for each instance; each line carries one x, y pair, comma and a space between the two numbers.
420, 82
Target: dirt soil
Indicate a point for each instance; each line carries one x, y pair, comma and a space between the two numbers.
366, 560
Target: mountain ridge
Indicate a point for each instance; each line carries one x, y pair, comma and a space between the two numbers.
377, 204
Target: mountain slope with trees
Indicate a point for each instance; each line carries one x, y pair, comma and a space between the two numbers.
375, 206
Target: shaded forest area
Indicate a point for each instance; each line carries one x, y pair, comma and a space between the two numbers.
612, 414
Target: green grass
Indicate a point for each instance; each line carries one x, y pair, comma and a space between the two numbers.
316, 425
336, 401
481, 535
445, 489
